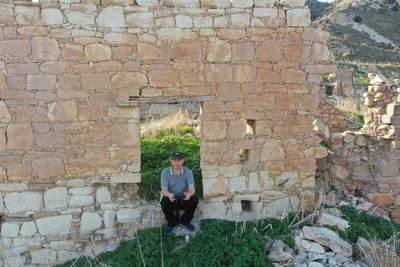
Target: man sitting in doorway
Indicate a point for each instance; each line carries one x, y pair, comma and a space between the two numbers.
177, 184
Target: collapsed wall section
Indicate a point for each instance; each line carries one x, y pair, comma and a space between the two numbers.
69, 137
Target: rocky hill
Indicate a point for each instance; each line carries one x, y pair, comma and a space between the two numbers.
363, 32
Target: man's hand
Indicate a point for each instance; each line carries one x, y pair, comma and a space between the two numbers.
187, 196
171, 197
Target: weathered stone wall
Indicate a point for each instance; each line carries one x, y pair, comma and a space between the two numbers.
69, 139
333, 118
367, 163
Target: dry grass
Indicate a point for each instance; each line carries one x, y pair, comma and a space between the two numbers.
175, 124
380, 255
351, 107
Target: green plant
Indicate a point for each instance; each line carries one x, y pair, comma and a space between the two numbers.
218, 243
325, 143
367, 226
155, 156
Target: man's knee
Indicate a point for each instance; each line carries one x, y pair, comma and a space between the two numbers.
193, 201
165, 202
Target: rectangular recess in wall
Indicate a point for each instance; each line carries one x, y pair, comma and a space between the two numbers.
246, 205
243, 154
250, 127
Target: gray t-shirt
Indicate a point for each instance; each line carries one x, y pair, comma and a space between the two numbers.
177, 183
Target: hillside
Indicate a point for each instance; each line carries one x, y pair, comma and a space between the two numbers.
365, 33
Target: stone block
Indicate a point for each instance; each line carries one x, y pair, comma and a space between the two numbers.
6, 13
127, 178
244, 73
265, 12
95, 81
268, 196
15, 48
81, 191
230, 171
63, 111
63, 244
19, 172
147, 51
214, 210
298, 17
242, 3
247, 197
19, 136
243, 51
163, 78
272, 150
183, 22
72, 53
41, 82
215, 186
213, 130
218, 50
27, 15
182, 3
103, 195
1, 204
45, 256
54, 225
219, 73
215, 3
79, 18
9, 229
97, 52
254, 183
21, 202
277, 208
240, 20
115, 38
50, 140
4, 113
315, 35
11, 187
111, 16
237, 129
90, 221
45, 49
109, 218
269, 50
28, 229
292, 3
15, 261
55, 198
125, 134
236, 208
46, 168
31, 114
129, 215
287, 179
81, 201
339, 171
176, 35
320, 52
140, 20
52, 16
237, 184
393, 109
202, 22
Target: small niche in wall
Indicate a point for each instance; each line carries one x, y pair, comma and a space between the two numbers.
250, 127
243, 155
246, 205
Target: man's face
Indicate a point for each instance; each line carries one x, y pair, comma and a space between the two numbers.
177, 163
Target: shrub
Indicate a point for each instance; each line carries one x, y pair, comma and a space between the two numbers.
395, 8
357, 19
156, 152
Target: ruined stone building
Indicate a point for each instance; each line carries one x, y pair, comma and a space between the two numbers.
74, 74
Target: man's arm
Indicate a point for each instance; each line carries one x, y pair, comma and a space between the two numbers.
164, 188
168, 194
192, 189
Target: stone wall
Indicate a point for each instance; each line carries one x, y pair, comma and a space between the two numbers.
69, 130
366, 163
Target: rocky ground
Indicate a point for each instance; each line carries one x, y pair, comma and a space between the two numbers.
317, 245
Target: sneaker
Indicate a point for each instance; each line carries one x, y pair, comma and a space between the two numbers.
190, 227
168, 230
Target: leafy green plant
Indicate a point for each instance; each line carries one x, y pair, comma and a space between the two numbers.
367, 226
155, 156
219, 243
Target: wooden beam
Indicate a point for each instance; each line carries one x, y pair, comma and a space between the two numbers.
136, 102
